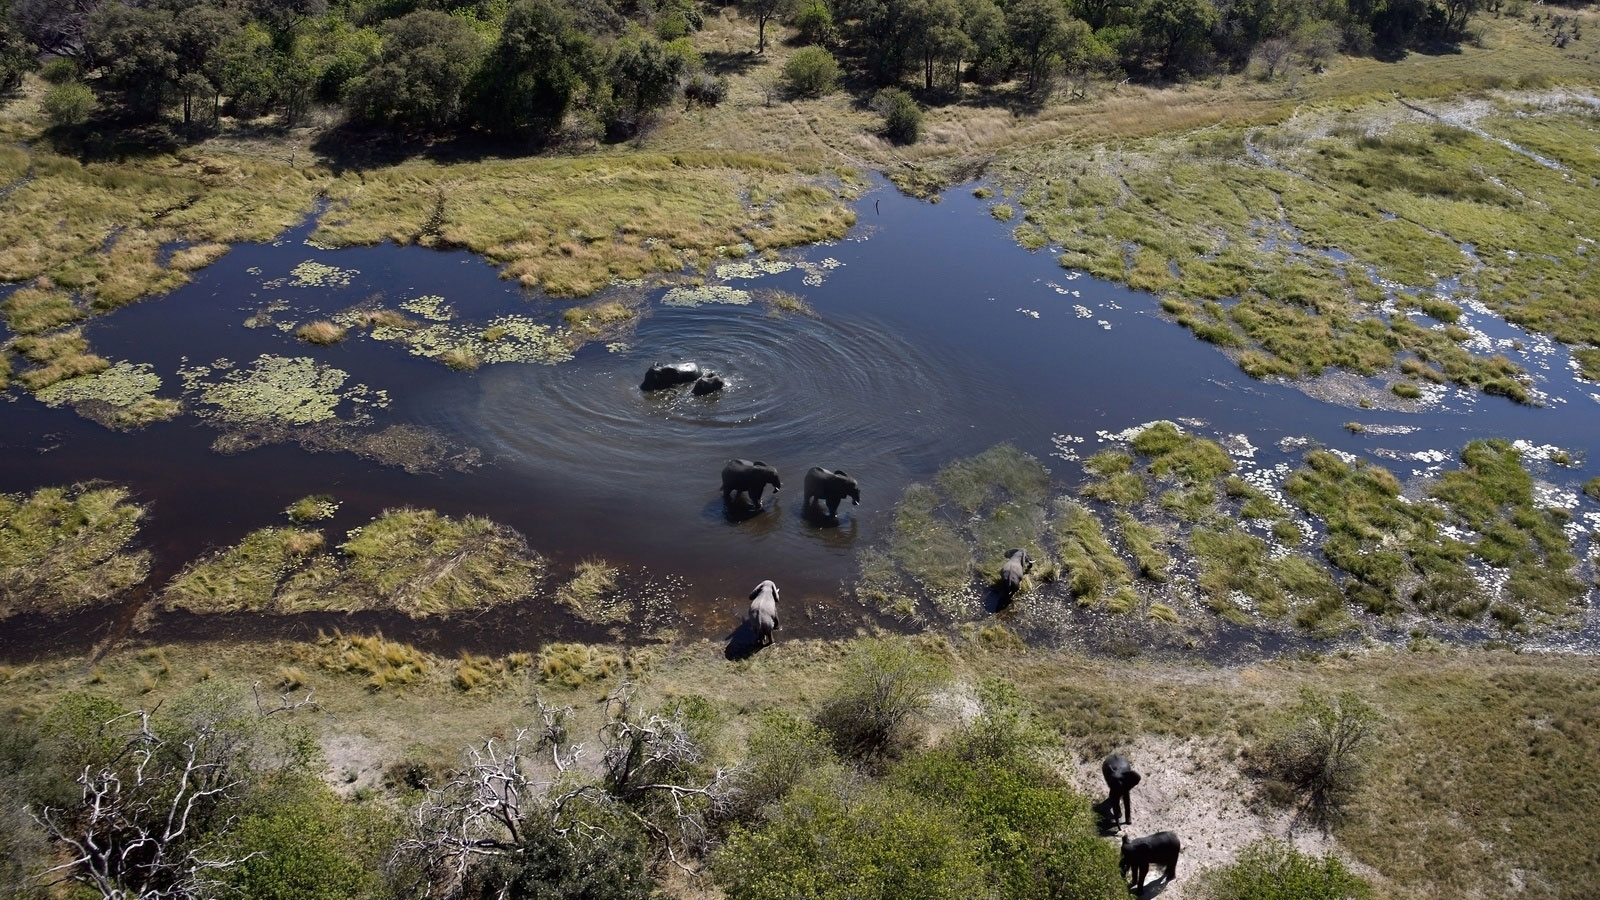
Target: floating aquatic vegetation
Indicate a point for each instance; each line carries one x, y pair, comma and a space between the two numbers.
63, 549
315, 274
431, 307
320, 332
121, 397
700, 296
592, 593
314, 508
410, 447
276, 390
263, 317
517, 339
756, 268
618, 347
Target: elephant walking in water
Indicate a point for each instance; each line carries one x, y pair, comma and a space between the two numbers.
763, 614
1011, 571
748, 478
830, 487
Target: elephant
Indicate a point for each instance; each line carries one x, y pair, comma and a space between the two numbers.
1138, 855
660, 376
1121, 779
763, 614
1011, 571
830, 487
709, 383
749, 478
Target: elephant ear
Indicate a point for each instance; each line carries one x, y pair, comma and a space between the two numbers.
756, 592
841, 473
758, 463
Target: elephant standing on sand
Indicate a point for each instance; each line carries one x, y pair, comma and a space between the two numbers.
1121, 779
1138, 855
763, 614
749, 478
830, 487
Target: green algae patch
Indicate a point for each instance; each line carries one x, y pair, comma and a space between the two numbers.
64, 549
122, 397
274, 390
313, 274
30, 310
431, 307
706, 295
1002, 471
417, 562
314, 508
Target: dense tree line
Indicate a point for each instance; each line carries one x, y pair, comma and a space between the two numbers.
528, 68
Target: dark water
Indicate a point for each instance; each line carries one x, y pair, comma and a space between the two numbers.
935, 338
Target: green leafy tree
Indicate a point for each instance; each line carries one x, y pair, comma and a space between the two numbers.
1318, 751
937, 37
549, 866
885, 686
17, 54
420, 78
541, 63
170, 48
1036, 27
644, 77
1179, 31
764, 11
298, 841
985, 26
811, 72
59, 27
884, 29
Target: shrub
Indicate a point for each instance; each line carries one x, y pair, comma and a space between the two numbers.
811, 72
704, 89
1317, 753
902, 118
886, 684
68, 104
572, 867
842, 839
814, 22
300, 841
59, 70
782, 750
1272, 870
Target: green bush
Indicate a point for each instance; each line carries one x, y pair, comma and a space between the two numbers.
782, 750
59, 70
1317, 752
576, 867
843, 840
301, 842
902, 118
813, 21
69, 103
811, 72
886, 685
1272, 870
1036, 836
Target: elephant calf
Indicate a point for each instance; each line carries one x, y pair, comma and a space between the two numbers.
709, 383
830, 487
1138, 855
748, 478
763, 614
1121, 779
659, 376
1011, 571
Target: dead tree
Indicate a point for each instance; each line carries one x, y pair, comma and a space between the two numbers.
133, 834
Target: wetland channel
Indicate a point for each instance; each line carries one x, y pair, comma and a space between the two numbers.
931, 336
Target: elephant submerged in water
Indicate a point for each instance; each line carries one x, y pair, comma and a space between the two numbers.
709, 383
830, 487
659, 376
763, 614
748, 478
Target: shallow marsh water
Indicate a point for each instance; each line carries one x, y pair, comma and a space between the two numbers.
933, 336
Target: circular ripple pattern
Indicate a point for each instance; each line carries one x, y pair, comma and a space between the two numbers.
831, 392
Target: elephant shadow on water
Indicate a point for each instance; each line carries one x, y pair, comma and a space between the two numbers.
757, 520
743, 642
